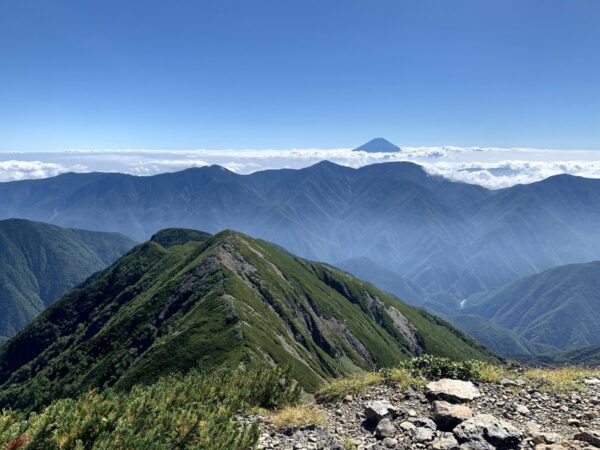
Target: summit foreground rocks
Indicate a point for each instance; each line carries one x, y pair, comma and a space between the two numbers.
489, 416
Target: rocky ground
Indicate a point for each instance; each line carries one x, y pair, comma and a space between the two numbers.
451, 414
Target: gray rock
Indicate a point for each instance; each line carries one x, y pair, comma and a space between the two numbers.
385, 428
390, 442
447, 416
546, 438
589, 436
523, 410
422, 434
378, 409
423, 422
477, 446
446, 441
407, 426
486, 430
454, 391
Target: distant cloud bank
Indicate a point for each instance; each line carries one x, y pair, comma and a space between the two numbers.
493, 168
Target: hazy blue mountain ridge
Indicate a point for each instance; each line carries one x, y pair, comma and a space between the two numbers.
451, 239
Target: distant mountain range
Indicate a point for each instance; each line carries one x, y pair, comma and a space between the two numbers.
40, 262
444, 239
189, 300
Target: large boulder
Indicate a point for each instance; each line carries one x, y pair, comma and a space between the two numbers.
485, 432
453, 391
447, 416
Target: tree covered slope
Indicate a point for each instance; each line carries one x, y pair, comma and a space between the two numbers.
558, 308
40, 262
497, 338
214, 302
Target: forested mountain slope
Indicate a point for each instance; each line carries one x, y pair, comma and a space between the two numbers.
40, 262
559, 307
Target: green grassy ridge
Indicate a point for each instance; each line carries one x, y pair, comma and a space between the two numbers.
222, 302
40, 262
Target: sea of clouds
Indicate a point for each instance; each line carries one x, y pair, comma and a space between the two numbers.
493, 168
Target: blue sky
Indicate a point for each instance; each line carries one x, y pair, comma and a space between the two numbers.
283, 74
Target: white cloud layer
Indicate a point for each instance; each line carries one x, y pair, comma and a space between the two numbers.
15, 170
490, 167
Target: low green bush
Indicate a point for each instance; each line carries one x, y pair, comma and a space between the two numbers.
434, 368
192, 411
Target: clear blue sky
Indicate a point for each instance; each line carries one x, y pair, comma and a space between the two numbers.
280, 74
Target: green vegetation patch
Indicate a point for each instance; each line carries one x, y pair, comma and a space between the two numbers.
177, 412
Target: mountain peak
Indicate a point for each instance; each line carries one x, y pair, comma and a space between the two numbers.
378, 145
170, 237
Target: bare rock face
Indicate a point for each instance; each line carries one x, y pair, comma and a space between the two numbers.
453, 391
447, 416
487, 432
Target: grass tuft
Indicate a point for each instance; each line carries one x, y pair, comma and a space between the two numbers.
491, 373
352, 385
348, 443
415, 372
298, 417
403, 378
562, 379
